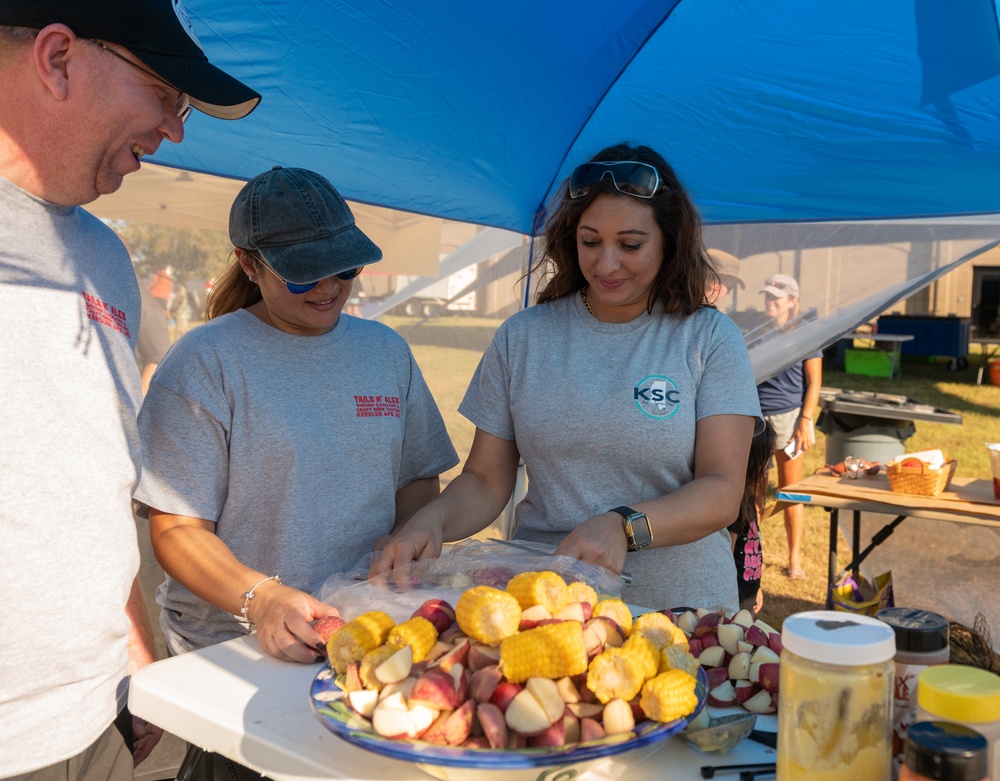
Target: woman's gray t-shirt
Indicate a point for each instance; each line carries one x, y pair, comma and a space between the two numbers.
295, 446
604, 415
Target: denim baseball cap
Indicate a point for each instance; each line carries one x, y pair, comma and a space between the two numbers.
300, 225
158, 32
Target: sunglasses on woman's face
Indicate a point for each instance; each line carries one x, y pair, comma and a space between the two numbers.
639, 180
298, 290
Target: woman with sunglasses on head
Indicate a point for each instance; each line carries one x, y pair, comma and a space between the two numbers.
282, 439
631, 401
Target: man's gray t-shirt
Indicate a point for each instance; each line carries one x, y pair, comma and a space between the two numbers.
295, 446
69, 460
604, 415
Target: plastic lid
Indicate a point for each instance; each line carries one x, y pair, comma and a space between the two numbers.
957, 692
843, 639
943, 751
916, 630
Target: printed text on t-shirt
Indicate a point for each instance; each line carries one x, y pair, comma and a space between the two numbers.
105, 314
377, 406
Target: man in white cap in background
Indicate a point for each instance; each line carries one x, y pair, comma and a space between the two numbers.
87, 89
727, 267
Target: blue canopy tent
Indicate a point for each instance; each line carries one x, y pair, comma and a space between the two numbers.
855, 144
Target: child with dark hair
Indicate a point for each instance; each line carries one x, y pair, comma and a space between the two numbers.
744, 530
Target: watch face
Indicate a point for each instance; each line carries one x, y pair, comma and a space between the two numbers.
641, 533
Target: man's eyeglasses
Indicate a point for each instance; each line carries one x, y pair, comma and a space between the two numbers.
298, 290
640, 180
182, 104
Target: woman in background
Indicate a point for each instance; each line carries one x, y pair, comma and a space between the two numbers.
789, 401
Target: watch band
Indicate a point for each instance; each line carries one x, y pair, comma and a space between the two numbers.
644, 538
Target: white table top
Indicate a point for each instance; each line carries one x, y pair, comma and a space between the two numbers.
238, 702
898, 338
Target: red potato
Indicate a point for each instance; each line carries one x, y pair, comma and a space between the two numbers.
764, 654
745, 690
590, 730
436, 731
770, 674
526, 715
459, 654
481, 655
688, 622
742, 617
739, 667
711, 620
572, 612
756, 636
352, 678
709, 638
504, 693
435, 689
567, 690
326, 626
439, 612
483, 682
695, 646
532, 616
461, 679
494, 726
729, 636
452, 634
616, 637
479, 741
618, 718
713, 657
761, 702
723, 695
586, 710
546, 691
716, 675
363, 701
458, 727
774, 642
555, 735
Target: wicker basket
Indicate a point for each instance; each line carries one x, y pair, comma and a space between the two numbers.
920, 480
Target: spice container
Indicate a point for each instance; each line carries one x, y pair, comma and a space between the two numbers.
942, 751
921, 641
835, 698
963, 695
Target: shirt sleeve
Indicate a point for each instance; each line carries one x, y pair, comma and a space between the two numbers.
487, 401
427, 448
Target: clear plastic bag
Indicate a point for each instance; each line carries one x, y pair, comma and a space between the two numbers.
461, 566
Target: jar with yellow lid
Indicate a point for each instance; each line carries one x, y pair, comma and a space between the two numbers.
835, 697
963, 695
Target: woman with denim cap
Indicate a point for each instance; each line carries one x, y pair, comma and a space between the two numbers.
629, 398
281, 439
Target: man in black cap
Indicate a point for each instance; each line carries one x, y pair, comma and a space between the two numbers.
87, 89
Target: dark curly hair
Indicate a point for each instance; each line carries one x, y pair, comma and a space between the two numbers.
686, 270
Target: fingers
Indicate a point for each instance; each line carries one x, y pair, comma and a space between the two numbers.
145, 736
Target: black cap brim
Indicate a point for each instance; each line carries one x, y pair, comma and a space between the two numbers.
211, 90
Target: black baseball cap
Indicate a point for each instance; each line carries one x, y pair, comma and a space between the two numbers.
157, 32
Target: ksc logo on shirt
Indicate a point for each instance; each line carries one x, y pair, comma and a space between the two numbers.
657, 397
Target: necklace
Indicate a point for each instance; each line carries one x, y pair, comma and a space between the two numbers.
586, 303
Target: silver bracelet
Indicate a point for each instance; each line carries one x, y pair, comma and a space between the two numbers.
248, 595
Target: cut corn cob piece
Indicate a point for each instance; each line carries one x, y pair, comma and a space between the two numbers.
487, 614
656, 628
547, 651
617, 611
646, 652
354, 639
418, 633
539, 588
669, 696
615, 673
582, 592
372, 660
673, 657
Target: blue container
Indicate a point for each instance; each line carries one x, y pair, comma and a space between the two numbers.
932, 336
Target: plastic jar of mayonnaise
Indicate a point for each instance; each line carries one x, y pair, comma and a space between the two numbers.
963, 695
835, 698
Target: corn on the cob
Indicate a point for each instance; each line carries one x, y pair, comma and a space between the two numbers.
617, 611
487, 614
669, 696
547, 651
647, 653
373, 659
615, 672
582, 592
656, 628
673, 657
356, 638
539, 588
418, 633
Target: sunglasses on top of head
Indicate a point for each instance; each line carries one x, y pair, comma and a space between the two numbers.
345, 276
640, 180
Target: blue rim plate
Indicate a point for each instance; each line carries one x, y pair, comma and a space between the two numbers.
335, 714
